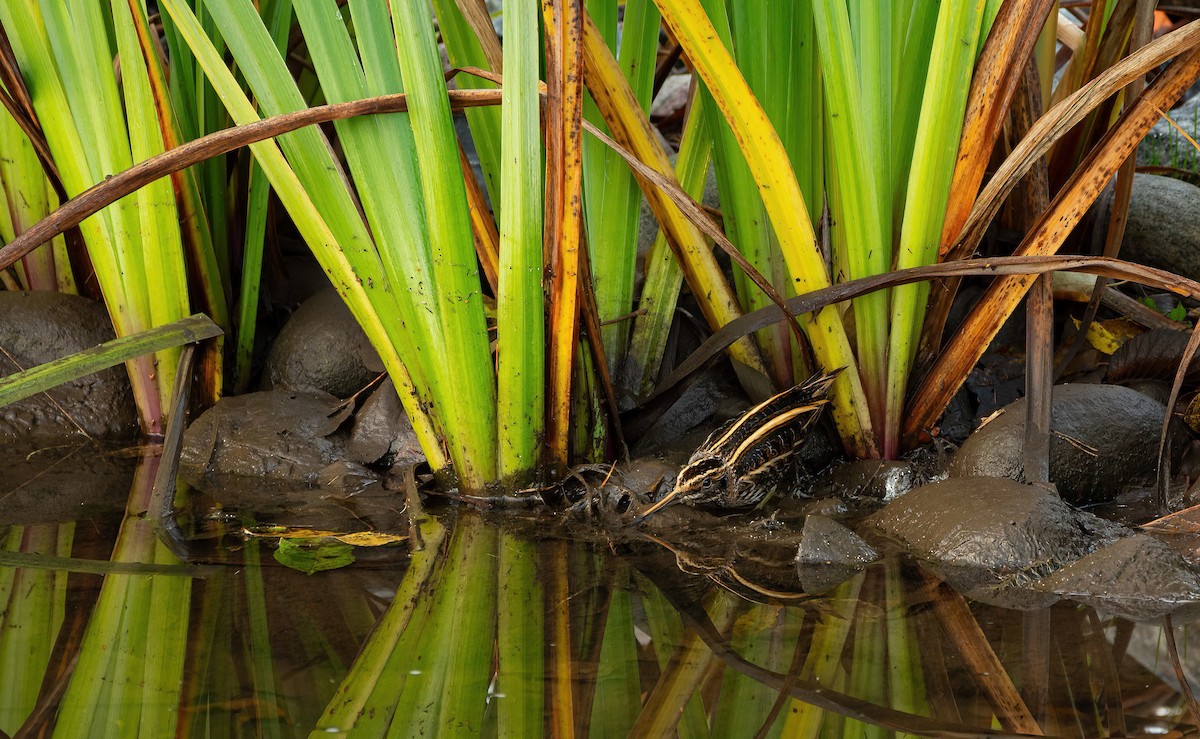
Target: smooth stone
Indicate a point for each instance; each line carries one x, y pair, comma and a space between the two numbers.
828, 506
1137, 578
37, 327
825, 541
322, 348
1163, 229
829, 554
672, 97
990, 536
382, 431
273, 436
1103, 438
305, 277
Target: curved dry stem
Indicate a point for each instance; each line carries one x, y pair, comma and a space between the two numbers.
113, 188
992, 266
1057, 122
1053, 226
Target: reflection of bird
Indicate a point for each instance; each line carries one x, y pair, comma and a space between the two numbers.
740, 462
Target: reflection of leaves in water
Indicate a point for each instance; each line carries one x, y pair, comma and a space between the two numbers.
309, 556
488, 626
353, 538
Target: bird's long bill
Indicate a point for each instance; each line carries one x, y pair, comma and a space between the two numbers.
659, 505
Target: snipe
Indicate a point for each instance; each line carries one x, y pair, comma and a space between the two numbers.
741, 462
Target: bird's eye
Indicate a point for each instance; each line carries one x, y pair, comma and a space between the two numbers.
707, 483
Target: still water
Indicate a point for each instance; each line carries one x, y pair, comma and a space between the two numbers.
473, 626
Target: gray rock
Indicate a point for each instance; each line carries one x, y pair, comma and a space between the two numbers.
1164, 225
825, 541
989, 536
1103, 438
274, 436
323, 349
305, 277
36, 327
347, 476
382, 429
830, 506
672, 98
1138, 578
829, 554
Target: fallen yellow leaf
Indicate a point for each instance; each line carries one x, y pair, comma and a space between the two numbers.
1108, 336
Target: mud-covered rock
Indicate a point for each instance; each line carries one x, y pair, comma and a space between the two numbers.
347, 476
989, 536
1103, 437
829, 554
1139, 578
37, 327
382, 431
831, 506
275, 436
825, 541
322, 348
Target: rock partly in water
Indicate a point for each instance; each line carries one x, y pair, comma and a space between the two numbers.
1163, 228
322, 349
829, 554
347, 477
37, 327
274, 436
382, 432
1138, 578
1103, 437
990, 536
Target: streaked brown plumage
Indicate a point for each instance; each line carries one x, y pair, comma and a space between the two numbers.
740, 463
